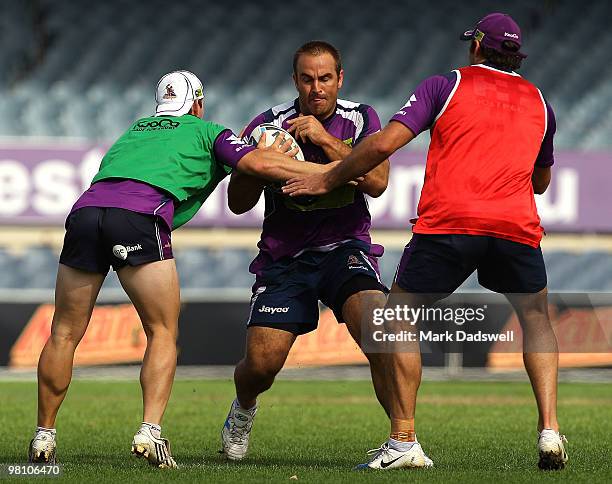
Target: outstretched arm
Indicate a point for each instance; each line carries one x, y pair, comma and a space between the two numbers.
309, 128
369, 154
276, 162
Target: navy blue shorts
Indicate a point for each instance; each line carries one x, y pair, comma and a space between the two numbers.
97, 238
286, 294
439, 264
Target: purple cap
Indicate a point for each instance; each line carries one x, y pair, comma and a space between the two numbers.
494, 30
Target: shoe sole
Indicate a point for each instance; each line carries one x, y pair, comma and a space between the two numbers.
43, 457
232, 457
551, 461
141, 451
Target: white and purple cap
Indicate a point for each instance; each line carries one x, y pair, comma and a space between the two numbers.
497, 31
176, 92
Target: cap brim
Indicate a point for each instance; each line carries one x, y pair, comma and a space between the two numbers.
467, 35
173, 109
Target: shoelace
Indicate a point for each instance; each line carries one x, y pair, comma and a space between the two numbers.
45, 436
376, 453
237, 434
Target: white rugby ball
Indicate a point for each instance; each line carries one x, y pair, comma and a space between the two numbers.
272, 131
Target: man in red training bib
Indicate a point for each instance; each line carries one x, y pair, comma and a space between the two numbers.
491, 149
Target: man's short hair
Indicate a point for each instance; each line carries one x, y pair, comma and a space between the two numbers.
318, 47
504, 60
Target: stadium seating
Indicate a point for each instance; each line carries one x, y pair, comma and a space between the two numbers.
205, 268
90, 67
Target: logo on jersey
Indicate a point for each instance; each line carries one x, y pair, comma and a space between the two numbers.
355, 263
240, 142
271, 310
170, 94
512, 36
121, 252
156, 125
407, 105
412, 99
348, 142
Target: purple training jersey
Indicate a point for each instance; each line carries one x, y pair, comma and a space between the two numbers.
430, 98
140, 197
288, 230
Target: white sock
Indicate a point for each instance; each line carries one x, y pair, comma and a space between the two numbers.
45, 429
154, 429
400, 446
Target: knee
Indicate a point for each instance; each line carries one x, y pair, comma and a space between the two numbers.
263, 370
160, 330
65, 338
533, 317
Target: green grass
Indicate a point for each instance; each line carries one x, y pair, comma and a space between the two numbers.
474, 432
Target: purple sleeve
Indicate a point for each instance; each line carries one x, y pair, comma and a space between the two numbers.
246, 132
546, 156
427, 101
229, 148
371, 123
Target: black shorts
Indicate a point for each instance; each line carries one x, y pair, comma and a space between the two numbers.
97, 238
286, 295
439, 264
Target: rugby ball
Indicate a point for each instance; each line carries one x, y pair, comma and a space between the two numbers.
272, 131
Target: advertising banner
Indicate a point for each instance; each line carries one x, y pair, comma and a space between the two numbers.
483, 328
39, 184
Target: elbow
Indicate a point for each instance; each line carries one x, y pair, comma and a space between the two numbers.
377, 190
539, 189
383, 147
236, 208
540, 186
237, 202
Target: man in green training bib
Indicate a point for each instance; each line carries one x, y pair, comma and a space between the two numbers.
152, 180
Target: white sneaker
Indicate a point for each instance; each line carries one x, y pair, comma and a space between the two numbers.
156, 451
236, 431
552, 451
385, 457
42, 448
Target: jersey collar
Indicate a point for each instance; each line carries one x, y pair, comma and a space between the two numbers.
496, 69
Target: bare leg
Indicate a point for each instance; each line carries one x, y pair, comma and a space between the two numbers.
404, 374
266, 352
540, 353
154, 291
354, 310
75, 295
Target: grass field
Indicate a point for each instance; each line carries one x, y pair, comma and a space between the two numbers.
317, 431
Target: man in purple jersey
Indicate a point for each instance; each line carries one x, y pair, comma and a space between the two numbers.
491, 149
151, 181
311, 250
